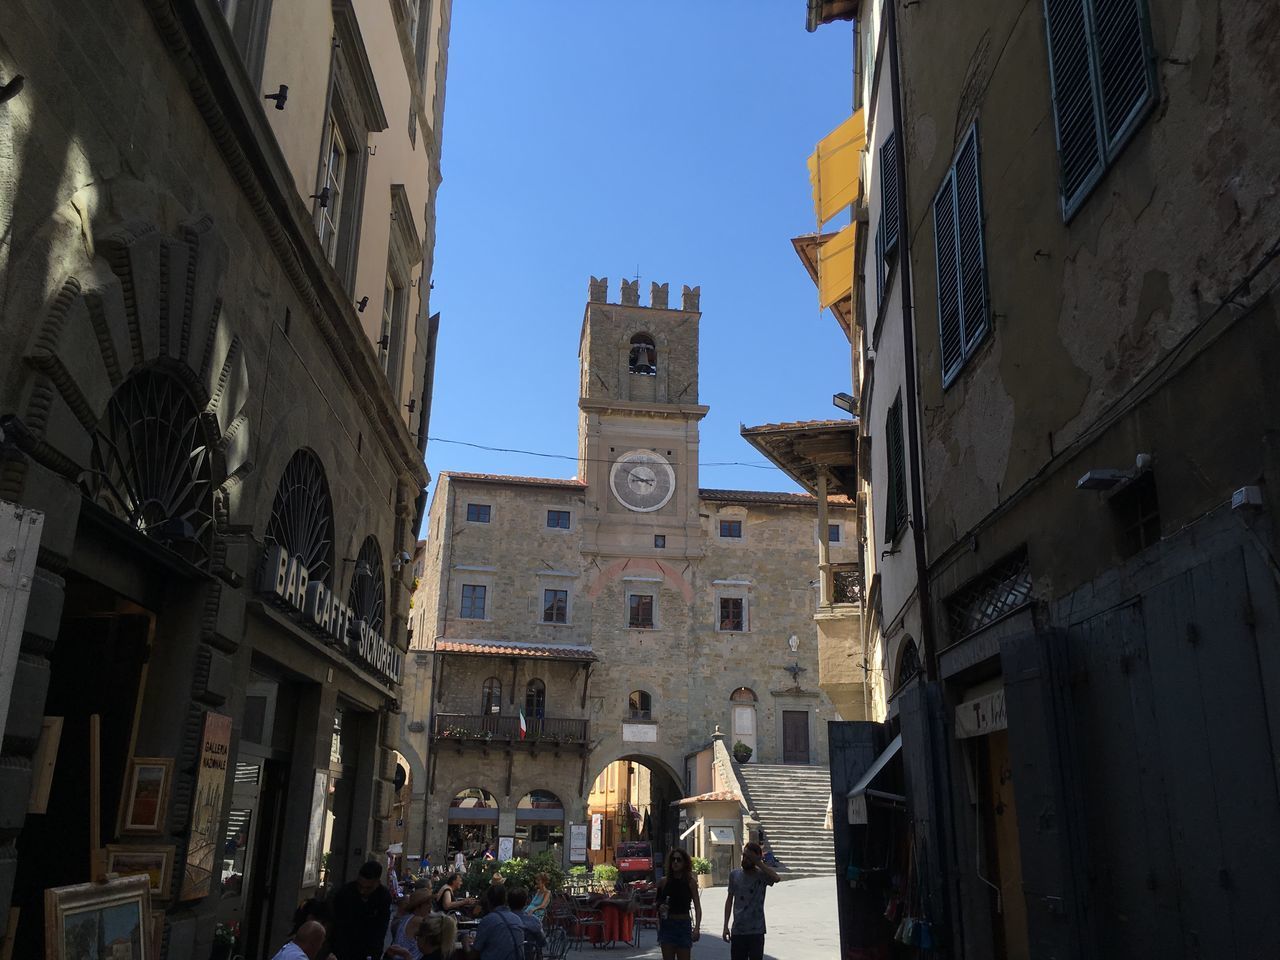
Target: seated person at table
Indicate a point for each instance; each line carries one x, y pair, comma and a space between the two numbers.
437, 936
447, 898
500, 935
517, 900
541, 897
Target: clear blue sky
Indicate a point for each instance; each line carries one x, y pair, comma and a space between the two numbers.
590, 137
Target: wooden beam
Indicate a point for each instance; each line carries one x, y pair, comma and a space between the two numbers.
586, 679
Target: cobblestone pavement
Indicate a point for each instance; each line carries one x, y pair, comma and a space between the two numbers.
801, 915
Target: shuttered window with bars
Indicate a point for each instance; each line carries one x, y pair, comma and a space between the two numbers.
1102, 73
895, 504
961, 259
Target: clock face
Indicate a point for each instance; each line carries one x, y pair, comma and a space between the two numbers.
642, 481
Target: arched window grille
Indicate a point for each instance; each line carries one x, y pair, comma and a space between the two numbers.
368, 586
302, 516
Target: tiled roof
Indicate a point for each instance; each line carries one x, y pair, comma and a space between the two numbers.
801, 425
527, 481
714, 795
766, 496
512, 648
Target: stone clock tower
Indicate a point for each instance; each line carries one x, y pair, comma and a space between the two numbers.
638, 416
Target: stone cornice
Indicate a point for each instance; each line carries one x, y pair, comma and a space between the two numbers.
197, 39
682, 411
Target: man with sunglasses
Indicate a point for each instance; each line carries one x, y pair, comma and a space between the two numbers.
745, 904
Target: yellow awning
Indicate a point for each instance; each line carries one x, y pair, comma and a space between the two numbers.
835, 168
835, 266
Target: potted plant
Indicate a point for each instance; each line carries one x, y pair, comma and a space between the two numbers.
224, 940
702, 870
741, 752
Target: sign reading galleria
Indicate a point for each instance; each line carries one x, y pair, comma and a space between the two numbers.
286, 579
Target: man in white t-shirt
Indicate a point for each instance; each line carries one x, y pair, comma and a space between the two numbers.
306, 943
745, 904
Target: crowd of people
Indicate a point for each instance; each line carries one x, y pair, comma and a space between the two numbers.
420, 920
364, 920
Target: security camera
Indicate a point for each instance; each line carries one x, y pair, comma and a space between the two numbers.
404, 557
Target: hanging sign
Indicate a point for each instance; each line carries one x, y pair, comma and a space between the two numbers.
597, 831
311, 602
577, 843
506, 848
205, 845
981, 715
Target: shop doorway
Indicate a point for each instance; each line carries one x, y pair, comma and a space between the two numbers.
1001, 864
336, 866
473, 823
98, 666
539, 824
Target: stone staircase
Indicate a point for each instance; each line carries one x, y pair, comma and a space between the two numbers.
791, 804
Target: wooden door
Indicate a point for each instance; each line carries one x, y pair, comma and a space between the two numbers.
795, 736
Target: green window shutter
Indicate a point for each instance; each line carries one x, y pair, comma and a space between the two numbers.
973, 269
1074, 105
944, 238
880, 253
896, 495
1102, 73
890, 192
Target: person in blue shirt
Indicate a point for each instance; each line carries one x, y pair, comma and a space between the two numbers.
518, 900
500, 934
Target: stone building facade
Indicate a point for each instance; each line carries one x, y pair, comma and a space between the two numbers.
215, 367
627, 613
1079, 309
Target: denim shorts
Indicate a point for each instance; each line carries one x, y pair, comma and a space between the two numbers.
676, 933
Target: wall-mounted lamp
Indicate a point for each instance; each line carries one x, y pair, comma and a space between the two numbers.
361, 304
384, 340
362, 568
281, 96
1107, 479
322, 196
844, 401
793, 642
413, 402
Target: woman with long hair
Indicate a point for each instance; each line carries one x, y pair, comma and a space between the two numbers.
677, 893
437, 935
541, 897
405, 924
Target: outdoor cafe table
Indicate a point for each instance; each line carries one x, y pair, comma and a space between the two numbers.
619, 922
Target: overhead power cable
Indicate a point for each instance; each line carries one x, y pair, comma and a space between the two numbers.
562, 456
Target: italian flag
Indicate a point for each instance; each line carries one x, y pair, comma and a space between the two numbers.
524, 727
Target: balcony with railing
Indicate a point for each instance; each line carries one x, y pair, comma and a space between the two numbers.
463, 728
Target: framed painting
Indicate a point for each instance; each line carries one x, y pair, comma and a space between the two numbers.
95, 921
146, 794
153, 862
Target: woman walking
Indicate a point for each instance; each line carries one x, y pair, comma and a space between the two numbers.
677, 892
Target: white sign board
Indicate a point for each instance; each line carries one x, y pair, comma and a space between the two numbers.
597, 831
722, 835
640, 733
20, 529
981, 715
506, 848
577, 843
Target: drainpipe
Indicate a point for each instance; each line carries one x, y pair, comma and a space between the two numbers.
824, 548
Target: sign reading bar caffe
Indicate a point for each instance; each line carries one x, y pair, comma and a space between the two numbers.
286, 580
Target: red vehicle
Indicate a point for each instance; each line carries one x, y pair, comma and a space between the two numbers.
634, 860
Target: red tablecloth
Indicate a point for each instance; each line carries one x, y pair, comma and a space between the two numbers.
619, 924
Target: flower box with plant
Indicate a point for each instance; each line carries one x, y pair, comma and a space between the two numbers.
742, 752
702, 870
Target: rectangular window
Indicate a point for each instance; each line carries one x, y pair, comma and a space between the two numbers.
961, 260
1137, 511
555, 606
660, 541
473, 597
731, 529
478, 512
1102, 73
896, 495
558, 519
640, 610
733, 614
833, 533
335, 172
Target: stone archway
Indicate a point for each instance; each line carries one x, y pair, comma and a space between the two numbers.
633, 796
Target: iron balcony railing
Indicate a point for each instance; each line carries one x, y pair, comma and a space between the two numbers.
469, 726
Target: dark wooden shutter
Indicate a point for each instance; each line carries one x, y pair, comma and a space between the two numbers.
896, 495
1074, 110
890, 191
1124, 74
880, 230
944, 231
973, 273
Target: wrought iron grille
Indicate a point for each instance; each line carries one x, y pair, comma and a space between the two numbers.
150, 465
846, 585
1000, 590
368, 586
908, 662
302, 516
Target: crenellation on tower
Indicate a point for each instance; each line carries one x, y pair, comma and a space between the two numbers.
658, 296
